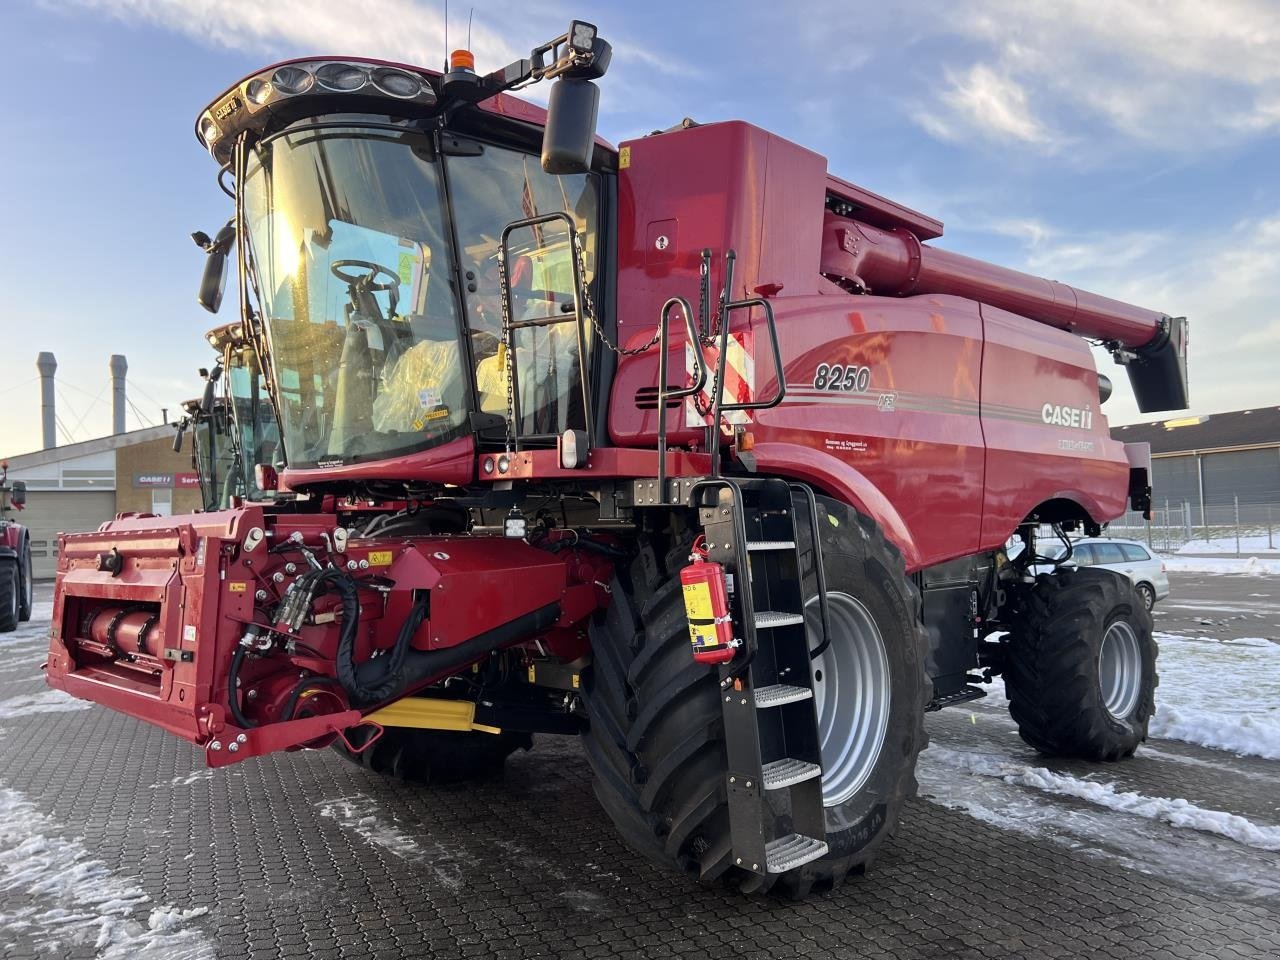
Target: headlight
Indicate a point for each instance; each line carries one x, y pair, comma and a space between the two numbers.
396, 83
341, 77
258, 91
292, 80
259, 100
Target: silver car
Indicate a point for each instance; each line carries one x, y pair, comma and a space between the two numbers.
1129, 557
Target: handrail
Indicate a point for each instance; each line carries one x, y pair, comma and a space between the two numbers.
718, 406
666, 392
510, 327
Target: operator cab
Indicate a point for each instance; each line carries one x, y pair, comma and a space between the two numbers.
400, 243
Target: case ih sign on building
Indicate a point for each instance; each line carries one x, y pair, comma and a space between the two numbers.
480, 326
176, 481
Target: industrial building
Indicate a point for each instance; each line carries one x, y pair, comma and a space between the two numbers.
78, 486
1209, 465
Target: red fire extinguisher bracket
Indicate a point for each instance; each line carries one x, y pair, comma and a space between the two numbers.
706, 606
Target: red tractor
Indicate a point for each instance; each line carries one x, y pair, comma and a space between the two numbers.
16, 589
689, 448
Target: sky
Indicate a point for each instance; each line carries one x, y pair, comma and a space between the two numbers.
1096, 142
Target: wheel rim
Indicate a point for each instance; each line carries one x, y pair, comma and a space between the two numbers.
851, 694
1148, 596
1120, 670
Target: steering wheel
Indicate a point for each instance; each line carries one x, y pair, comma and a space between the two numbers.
374, 270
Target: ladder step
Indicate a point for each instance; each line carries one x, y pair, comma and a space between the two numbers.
755, 546
788, 772
777, 694
768, 619
793, 850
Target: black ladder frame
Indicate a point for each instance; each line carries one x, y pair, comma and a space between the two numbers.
770, 722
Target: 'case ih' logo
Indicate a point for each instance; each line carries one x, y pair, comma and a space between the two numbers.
225, 110
1079, 417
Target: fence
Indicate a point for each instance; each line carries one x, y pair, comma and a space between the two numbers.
1233, 528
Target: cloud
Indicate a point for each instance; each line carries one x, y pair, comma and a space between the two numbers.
1039, 74
392, 29
988, 102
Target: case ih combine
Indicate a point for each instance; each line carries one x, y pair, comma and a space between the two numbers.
15, 555
689, 448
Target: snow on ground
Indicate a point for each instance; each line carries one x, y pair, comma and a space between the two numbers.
185, 780
1245, 565
1220, 694
1248, 544
46, 701
77, 899
1198, 859
360, 814
1176, 812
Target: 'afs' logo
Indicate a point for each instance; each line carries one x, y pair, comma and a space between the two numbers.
1079, 417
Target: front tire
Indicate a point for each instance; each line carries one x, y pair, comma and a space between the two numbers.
1081, 670
656, 738
10, 602
434, 757
26, 587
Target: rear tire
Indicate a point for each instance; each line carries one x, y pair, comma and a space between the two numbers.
10, 601
1148, 596
1081, 670
656, 736
26, 587
434, 757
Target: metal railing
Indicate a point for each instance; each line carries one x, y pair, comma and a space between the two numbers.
1237, 528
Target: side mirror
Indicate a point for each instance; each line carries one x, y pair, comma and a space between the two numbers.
18, 493
214, 279
210, 384
179, 434
569, 138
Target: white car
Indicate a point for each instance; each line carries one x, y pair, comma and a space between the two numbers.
1129, 557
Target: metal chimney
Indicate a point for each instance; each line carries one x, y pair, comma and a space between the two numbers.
47, 365
118, 367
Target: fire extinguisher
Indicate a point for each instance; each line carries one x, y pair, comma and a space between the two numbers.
706, 606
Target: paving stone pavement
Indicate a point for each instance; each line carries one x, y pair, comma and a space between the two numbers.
305, 855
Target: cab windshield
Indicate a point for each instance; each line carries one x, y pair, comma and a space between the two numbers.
375, 350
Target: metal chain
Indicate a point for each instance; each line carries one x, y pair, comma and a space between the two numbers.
505, 347
589, 308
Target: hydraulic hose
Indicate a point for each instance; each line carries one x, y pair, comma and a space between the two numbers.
420, 666
233, 688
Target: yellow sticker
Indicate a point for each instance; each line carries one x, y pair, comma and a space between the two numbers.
436, 414
380, 558
700, 614
237, 586
624, 158
419, 423
406, 268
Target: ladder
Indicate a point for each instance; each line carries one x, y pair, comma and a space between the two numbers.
774, 778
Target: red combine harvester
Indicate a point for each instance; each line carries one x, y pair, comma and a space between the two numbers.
16, 591
689, 448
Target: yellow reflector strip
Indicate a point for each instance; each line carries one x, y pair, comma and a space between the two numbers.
425, 713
